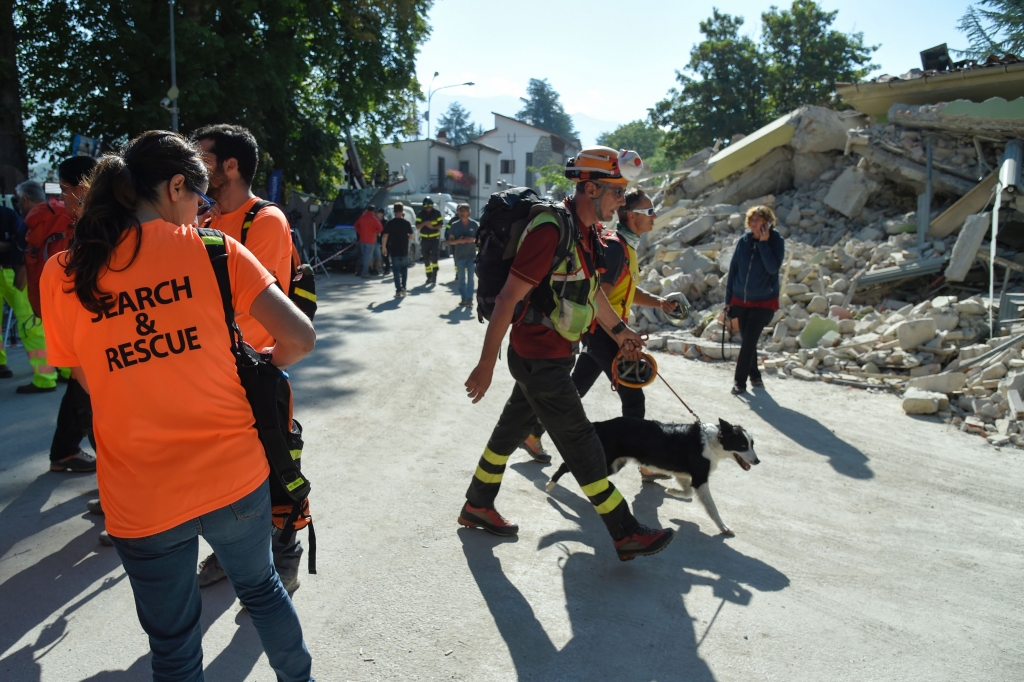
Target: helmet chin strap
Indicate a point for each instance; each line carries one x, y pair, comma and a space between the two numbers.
597, 200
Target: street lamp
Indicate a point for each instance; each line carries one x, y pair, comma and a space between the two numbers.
172, 94
431, 93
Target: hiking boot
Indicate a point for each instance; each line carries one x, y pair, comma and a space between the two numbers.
643, 541
757, 383
5, 372
533, 446
29, 389
94, 507
487, 518
210, 571
651, 477
290, 582
105, 539
79, 462
737, 389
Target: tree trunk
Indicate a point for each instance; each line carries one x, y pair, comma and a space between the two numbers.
13, 152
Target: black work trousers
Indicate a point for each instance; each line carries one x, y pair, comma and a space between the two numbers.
544, 392
431, 248
597, 358
74, 422
752, 321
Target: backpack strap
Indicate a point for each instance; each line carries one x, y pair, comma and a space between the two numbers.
215, 249
250, 216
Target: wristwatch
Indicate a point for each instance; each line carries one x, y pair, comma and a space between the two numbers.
619, 328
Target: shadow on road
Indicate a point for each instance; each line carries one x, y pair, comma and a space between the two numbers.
458, 315
628, 621
811, 434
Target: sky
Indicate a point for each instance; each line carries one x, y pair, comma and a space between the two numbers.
611, 61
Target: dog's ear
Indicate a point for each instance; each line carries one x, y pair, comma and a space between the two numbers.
724, 426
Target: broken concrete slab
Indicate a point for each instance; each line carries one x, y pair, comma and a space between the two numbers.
770, 175
965, 250
823, 130
850, 192
691, 260
914, 333
950, 382
902, 170
694, 230
952, 219
995, 117
817, 327
807, 168
917, 401
1015, 404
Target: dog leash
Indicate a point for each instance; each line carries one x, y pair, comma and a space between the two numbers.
654, 368
680, 399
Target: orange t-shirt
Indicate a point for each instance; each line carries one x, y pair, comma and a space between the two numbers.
270, 240
174, 431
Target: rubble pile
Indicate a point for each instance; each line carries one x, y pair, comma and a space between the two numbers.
845, 195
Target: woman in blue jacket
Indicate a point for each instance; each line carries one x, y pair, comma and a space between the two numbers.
752, 289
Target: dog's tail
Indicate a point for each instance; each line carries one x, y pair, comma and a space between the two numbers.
558, 474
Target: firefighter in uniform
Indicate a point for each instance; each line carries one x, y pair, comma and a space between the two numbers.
429, 222
564, 300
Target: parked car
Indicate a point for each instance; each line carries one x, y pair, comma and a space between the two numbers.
331, 240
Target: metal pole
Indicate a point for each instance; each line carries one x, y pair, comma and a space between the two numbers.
174, 72
992, 257
927, 195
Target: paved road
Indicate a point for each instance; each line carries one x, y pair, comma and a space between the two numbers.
869, 546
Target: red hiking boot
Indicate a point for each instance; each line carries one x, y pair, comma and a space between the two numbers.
643, 541
487, 518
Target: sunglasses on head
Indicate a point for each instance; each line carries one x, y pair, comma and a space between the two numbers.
207, 203
643, 211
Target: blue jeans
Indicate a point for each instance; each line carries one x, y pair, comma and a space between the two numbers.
464, 276
400, 268
366, 256
162, 571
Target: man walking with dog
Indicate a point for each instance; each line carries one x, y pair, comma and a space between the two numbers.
619, 282
563, 300
231, 155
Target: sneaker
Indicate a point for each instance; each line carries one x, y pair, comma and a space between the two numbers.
487, 518
105, 539
757, 383
398, 294
405, 292
94, 507
737, 389
76, 463
652, 477
210, 571
29, 389
533, 446
5, 372
643, 541
290, 582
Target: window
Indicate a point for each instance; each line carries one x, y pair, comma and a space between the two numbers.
487, 174
440, 169
508, 166
464, 167
529, 164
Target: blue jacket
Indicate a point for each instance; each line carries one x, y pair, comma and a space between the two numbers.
754, 270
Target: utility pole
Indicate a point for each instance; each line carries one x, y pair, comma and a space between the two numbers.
173, 92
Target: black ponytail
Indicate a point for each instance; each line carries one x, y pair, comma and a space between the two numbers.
118, 184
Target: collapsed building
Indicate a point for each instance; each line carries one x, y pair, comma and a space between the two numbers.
887, 214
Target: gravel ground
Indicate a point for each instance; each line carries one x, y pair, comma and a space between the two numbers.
869, 545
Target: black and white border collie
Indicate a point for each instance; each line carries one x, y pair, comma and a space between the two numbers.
686, 452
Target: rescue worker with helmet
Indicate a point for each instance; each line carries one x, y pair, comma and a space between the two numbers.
619, 282
429, 222
563, 301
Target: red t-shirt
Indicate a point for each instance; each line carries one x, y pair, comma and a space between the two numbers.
532, 264
174, 431
368, 227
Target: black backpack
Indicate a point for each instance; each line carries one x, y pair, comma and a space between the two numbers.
302, 290
504, 219
270, 396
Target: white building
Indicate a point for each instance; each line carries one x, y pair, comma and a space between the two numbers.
427, 166
525, 146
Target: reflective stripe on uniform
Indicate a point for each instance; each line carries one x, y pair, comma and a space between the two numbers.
304, 294
494, 458
486, 477
210, 239
295, 453
595, 488
611, 503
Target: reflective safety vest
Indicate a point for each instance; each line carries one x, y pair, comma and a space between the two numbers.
433, 229
624, 291
566, 301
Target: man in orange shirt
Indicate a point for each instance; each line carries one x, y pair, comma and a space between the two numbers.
231, 155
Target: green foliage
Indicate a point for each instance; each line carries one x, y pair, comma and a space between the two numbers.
640, 136
457, 126
741, 85
295, 72
544, 110
553, 177
993, 27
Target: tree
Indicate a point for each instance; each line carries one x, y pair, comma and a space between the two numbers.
12, 135
803, 57
742, 85
728, 97
297, 73
544, 110
998, 30
457, 126
553, 177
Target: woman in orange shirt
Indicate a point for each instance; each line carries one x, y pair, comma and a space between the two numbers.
134, 309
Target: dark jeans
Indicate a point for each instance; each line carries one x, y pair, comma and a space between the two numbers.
544, 391
600, 351
752, 321
74, 422
400, 266
161, 569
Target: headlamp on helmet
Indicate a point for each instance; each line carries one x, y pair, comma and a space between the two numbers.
604, 164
